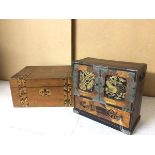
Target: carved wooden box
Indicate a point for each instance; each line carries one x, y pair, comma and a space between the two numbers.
109, 92
43, 86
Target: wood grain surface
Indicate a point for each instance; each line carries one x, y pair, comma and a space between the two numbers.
50, 80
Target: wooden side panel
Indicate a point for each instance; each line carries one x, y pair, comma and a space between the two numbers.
138, 100
109, 113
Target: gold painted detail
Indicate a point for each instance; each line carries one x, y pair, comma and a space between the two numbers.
68, 92
102, 110
86, 81
22, 91
113, 114
45, 92
115, 87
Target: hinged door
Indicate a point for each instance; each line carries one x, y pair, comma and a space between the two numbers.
105, 85
86, 81
119, 87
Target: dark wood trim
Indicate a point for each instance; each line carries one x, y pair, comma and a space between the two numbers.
73, 40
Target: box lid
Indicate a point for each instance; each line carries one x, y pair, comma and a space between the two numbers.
40, 76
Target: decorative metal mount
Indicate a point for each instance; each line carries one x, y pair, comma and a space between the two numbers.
45, 92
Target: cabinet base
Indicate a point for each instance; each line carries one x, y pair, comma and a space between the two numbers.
106, 122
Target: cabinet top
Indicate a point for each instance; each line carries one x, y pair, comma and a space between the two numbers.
113, 64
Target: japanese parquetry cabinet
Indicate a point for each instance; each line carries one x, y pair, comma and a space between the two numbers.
109, 92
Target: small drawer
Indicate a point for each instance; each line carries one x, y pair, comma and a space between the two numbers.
102, 111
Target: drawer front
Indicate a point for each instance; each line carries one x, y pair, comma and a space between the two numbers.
105, 112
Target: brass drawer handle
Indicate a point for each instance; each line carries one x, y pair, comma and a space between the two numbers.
45, 92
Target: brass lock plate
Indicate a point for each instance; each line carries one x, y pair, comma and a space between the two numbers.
45, 92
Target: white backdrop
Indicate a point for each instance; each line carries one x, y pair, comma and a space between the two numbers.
59, 130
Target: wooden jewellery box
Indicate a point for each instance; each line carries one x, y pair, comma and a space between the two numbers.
42, 86
109, 92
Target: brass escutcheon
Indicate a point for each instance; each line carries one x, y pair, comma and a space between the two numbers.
45, 92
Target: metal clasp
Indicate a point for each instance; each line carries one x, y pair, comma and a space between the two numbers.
45, 92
